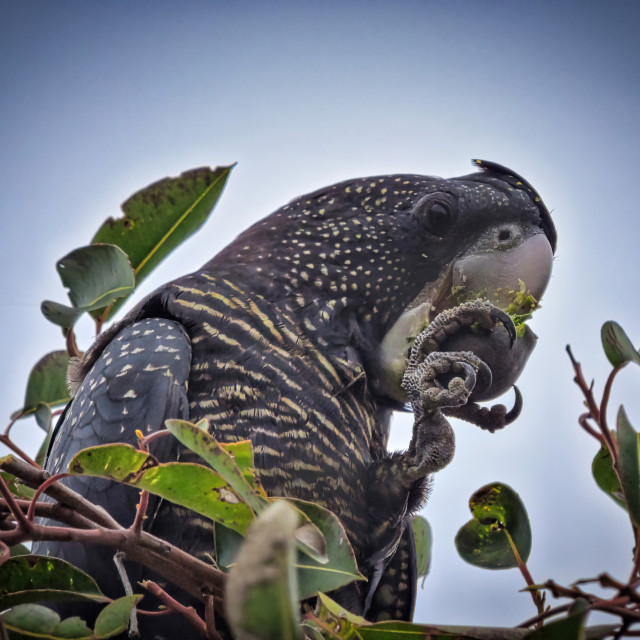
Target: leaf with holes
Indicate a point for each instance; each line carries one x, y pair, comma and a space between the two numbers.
221, 460
498, 514
193, 486
160, 217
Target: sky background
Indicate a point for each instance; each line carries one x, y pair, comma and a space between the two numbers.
99, 99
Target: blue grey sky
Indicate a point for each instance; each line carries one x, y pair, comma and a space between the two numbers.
99, 99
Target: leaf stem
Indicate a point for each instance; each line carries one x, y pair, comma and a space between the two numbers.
538, 600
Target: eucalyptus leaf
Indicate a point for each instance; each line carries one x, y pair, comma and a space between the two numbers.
340, 567
159, 218
606, 477
190, 485
47, 383
60, 314
30, 578
628, 460
262, 594
196, 438
96, 276
617, 346
114, 618
423, 538
498, 513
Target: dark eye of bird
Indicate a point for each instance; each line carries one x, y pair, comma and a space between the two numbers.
438, 217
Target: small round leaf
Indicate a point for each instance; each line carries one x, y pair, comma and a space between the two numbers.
47, 383
96, 276
498, 513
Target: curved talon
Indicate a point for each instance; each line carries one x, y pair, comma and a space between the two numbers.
468, 377
498, 315
516, 409
489, 419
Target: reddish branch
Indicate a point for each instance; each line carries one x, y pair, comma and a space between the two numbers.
92, 525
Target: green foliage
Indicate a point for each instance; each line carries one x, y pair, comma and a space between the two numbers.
423, 537
190, 485
28, 621
499, 521
617, 346
159, 218
629, 468
96, 276
47, 385
606, 477
36, 578
262, 590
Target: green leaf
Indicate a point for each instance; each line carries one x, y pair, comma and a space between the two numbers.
262, 594
335, 621
341, 567
72, 628
37, 578
227, 544
617, 346
242, 480
16, 486
32, 618
160, 217
47, 383
43, 416
498, 512
569, 628
424, 542
190, 485
60, 314
114, 618
96, 276
19, 550
196, 438
44, 448
628, 445
606, 477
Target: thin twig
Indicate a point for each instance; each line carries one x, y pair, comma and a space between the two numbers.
605, 397
544, 615
15, 510
41, 489
7, 442
583, 421
594, 410
189, 613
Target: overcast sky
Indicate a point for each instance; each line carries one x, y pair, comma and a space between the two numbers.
99, 99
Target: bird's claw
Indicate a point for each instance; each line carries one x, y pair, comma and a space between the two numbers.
491, 419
